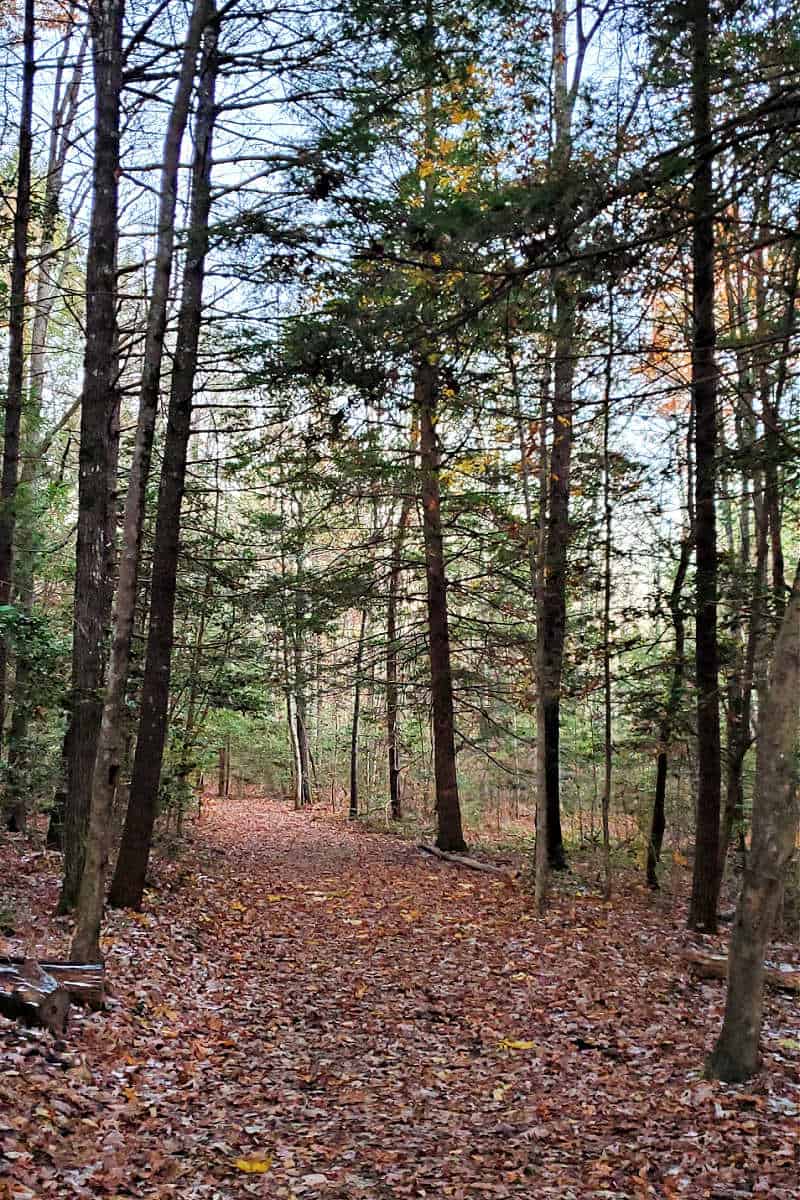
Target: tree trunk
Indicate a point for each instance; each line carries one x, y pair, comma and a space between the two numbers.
353, 813
392, 690
608, 747
110, 742
706, 877
552, 616
129, 876
303, 757
776, 814
658, 821
63, 113
741, 695
16, 339
221, 773
16, 798
98, 448
448, 810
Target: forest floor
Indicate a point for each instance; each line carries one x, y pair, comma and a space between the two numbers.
307, 1009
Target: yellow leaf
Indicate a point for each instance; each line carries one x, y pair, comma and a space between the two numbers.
274, 898
254, 1166
237, 907
511, 1044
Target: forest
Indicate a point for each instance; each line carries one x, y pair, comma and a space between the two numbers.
399, 599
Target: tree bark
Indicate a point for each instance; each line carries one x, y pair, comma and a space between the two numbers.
658, 822
98, 448
129, 877
303, 756
16, 339
110, 742
353, 812
392, 690
303, 797
608, 746
552, 615
448, 810
63, 113
776, 815
706, 877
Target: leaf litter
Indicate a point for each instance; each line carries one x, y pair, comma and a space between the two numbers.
310, 1009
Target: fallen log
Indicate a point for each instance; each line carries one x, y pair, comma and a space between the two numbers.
85, 982
463, 860
31, 995
715, 966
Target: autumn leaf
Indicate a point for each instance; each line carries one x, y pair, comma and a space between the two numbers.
512, 1044
254, 1166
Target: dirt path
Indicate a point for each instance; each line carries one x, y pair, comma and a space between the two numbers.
323, 1002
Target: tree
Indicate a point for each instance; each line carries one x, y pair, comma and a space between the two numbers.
706, 877
110, 735
16, 350
99, 436
776, 818
129, 876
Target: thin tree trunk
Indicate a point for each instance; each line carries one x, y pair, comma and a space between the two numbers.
392, 690
658, 822
776, 815
131, 869
195, 707
98, 447
608, 748
448, 810
303, 757
221, 772
299, 679
48, 283
16, 339
706, 878
675, 696
110, 741
16, 799
553, 591
541, 854
353, 813
535, 557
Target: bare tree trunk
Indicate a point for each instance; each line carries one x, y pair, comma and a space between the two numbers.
448, 810
110, 742
552, 615
299, 680
129, 876
706, 878
776, 815
608, 748
221, 771
49, 278
666, 728
353, 813
537, 566
98, 448
16, 339
392, 690
303, 756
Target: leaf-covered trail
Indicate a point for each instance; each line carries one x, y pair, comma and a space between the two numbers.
364, 1022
